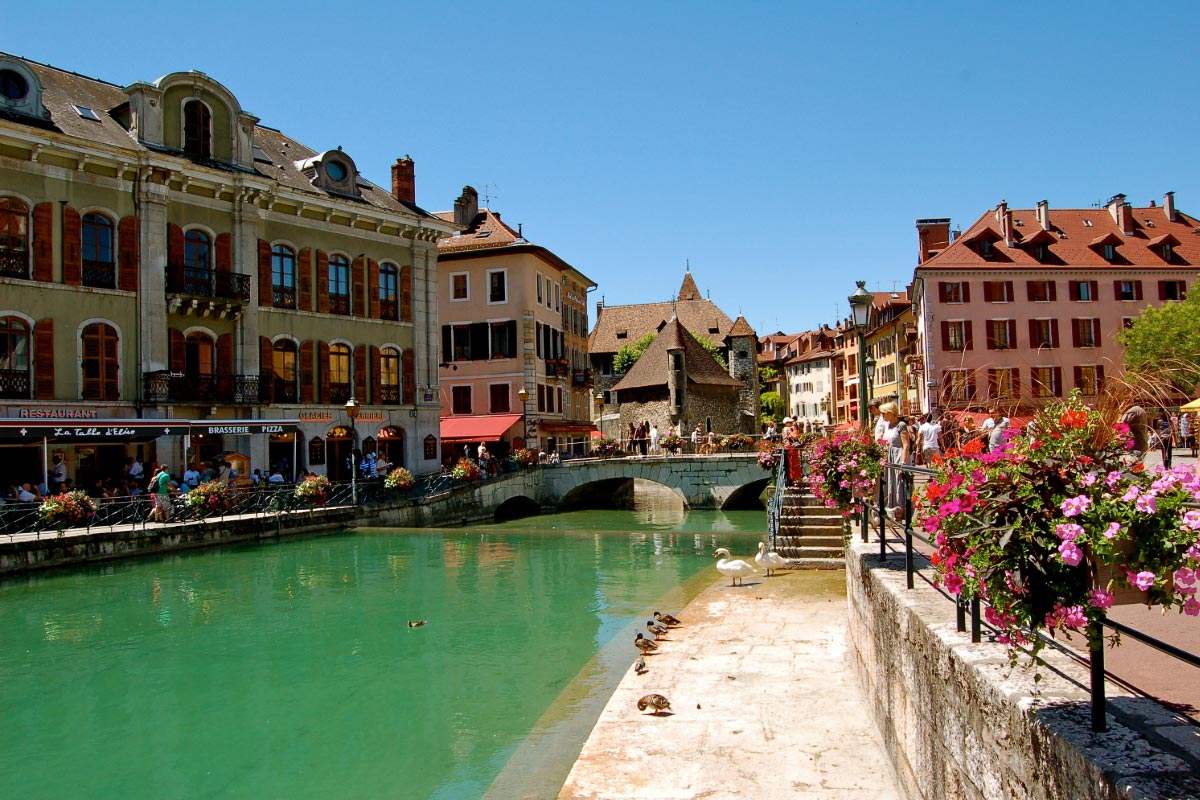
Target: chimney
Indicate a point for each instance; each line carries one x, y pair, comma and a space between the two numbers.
1043, 214
404, 181
1004, 217
933, 236
466, 206
1118, 209
1169, 206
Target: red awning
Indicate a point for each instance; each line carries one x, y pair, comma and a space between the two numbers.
483, 428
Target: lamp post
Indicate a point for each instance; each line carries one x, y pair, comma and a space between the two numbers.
860, 310
523, 396
870, 365
600, 411
352, 413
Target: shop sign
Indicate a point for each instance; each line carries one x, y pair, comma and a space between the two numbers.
316, 416
238, 428
58, 413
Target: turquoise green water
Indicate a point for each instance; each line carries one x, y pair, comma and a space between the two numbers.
289, 669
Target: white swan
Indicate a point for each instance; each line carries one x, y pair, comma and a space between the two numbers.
769, 561
734, 569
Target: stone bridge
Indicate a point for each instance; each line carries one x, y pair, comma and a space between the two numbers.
724, 481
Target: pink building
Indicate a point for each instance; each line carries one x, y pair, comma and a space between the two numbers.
1026, 304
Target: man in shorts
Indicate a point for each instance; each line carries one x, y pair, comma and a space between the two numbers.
160, 490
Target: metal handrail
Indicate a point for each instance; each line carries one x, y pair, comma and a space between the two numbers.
775, 505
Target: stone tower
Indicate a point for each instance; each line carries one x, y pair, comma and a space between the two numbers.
741, 342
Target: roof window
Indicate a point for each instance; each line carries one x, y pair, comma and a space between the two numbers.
483, 234
261, 155
1087, 223
85, 112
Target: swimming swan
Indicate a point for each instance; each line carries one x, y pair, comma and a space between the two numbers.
769, 561
737, 570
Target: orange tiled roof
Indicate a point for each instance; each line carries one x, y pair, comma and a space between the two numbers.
701, 317
653, 367
486, 231
740, 327
1076, 236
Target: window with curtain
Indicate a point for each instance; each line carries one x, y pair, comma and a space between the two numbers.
14, 238
99, 261
389, 375
339, 373
389, 281
15, 380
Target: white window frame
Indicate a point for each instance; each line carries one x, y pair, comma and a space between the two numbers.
488, 286
454, 299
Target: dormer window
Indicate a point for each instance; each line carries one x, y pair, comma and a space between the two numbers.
333, 171
20, 89
1168, 251
336, 171
985, 248
13, 85
197, 129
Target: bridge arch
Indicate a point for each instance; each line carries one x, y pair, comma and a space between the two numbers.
517, 507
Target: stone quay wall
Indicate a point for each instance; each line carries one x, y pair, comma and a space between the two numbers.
958, 722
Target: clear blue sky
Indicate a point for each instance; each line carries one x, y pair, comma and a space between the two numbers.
784, 148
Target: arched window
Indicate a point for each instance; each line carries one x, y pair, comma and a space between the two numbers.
198, 275
199, 363
389, 376
197, 129
339, 285
287, 384
101, 379
283, 276
14, 358
14, 238
339, 373
99, 263
389, 282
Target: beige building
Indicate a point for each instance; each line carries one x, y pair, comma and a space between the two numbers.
165, 256
513, 318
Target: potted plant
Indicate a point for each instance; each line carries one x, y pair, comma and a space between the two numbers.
844, 468
525, 457
399, 479
606, 447
62, 511
768, 457
210, 497
1051, 530
313, 490
672, 443
736, 441
466, 470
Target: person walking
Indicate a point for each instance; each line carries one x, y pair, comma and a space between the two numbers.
697, 437
995, 431
1166, 438
160, 489
654, 438
930, 432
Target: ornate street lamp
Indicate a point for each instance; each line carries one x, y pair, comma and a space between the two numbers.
870, 365
523, 396
600, 411
352, 413
860, 312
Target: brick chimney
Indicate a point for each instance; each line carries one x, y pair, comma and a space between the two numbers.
1043, 214
1169, 206
1121, 212
404, 180
933, 236
1004, 217
466, 206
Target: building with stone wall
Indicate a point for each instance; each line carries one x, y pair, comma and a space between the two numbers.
165, 256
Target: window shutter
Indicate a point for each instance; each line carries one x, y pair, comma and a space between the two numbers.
945, 335
1095, 287
1012, 333
360, 373
322, 283
72, 247
177, 354
988, 291
43, 242
174, 245
408, 377
1033, 335
1076, 339
323, 368
1009, 295
1099, 378
1054, 340
1030, 290
306, 372
224, 248
266, 370
43, 360
304, 278
1095, 323
1073, 288
447, 344
972, 390
968, 336
1162, 290
966, 292
512, 338
989, 330
942, 293
266, 297
1053, 287
358, 285
1077, 378
993, 387
1116, 290
479, 341
127, 253
406, 312
376, 373
110, 377
225, 355
373, 291
1137, 290
1058, 387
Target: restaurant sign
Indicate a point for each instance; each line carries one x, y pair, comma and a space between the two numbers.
109, 430
239, 427
58, 413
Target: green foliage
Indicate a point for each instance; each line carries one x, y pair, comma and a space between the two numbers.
766, 375
1166, 339
628, 355
713, 350
771, 405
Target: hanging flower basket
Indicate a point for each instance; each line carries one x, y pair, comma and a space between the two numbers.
737, 441
768, 458
399, 479
844, 468
210, 497
526, 457
672, 443
69, 510
466, 470
313, 491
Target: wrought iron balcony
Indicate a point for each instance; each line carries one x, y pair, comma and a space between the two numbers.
206, 283
339, 304
339, 392
286, 391
14, 384
167, 387
389, 395
14, 263
581, 377
283, 296
100, 274
388, 309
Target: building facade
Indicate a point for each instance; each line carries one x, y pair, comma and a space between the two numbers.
513, 317
165, 256
1026, 304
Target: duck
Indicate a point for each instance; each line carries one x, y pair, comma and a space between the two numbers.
655, 701
769, 561
735, 570
667, 619
416, 623
644, 644
639, 666
659, 631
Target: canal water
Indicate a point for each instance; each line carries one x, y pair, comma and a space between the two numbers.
290, 669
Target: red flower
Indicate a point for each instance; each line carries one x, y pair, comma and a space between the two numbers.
1073, 419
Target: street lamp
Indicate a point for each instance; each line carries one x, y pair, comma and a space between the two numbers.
870, 365
860, 311
600, 411
523, 396
352, 413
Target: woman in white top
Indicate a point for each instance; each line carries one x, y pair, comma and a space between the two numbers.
895, 436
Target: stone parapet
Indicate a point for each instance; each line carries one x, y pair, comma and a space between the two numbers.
958, 722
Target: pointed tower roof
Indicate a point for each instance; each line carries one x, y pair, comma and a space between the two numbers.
740, 328
688, 289
653, 367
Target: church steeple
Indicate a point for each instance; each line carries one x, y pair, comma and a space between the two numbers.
688, 290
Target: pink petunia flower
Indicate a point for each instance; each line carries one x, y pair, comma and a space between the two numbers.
953, 582
1100, 598
1070, 552
1191, 607
1144, 580
1111, 531
1074, 506
1068, 531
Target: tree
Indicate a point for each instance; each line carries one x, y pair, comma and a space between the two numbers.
1165, 341
771, 405
713, 351
628, 355
766, 376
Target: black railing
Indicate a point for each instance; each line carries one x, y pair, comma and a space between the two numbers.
388, 309
202, 282
283, 296
14, 264
339, 392
100, 274
907, 474
163, 387
286, 391
389, 395
339, 304
14, 384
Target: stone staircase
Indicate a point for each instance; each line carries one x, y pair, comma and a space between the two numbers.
810, 535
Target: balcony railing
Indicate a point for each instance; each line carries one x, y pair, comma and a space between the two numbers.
339, 392
201, 282
389, 395
557, 367
286, 391
14, 384
166, 387
14, 263
388, 310
581, 377
100, 274
283, 296
339, 304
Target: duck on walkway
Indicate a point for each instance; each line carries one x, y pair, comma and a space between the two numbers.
735, 569
769, 561
667, 619
644, 644
654, 701
658, 630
